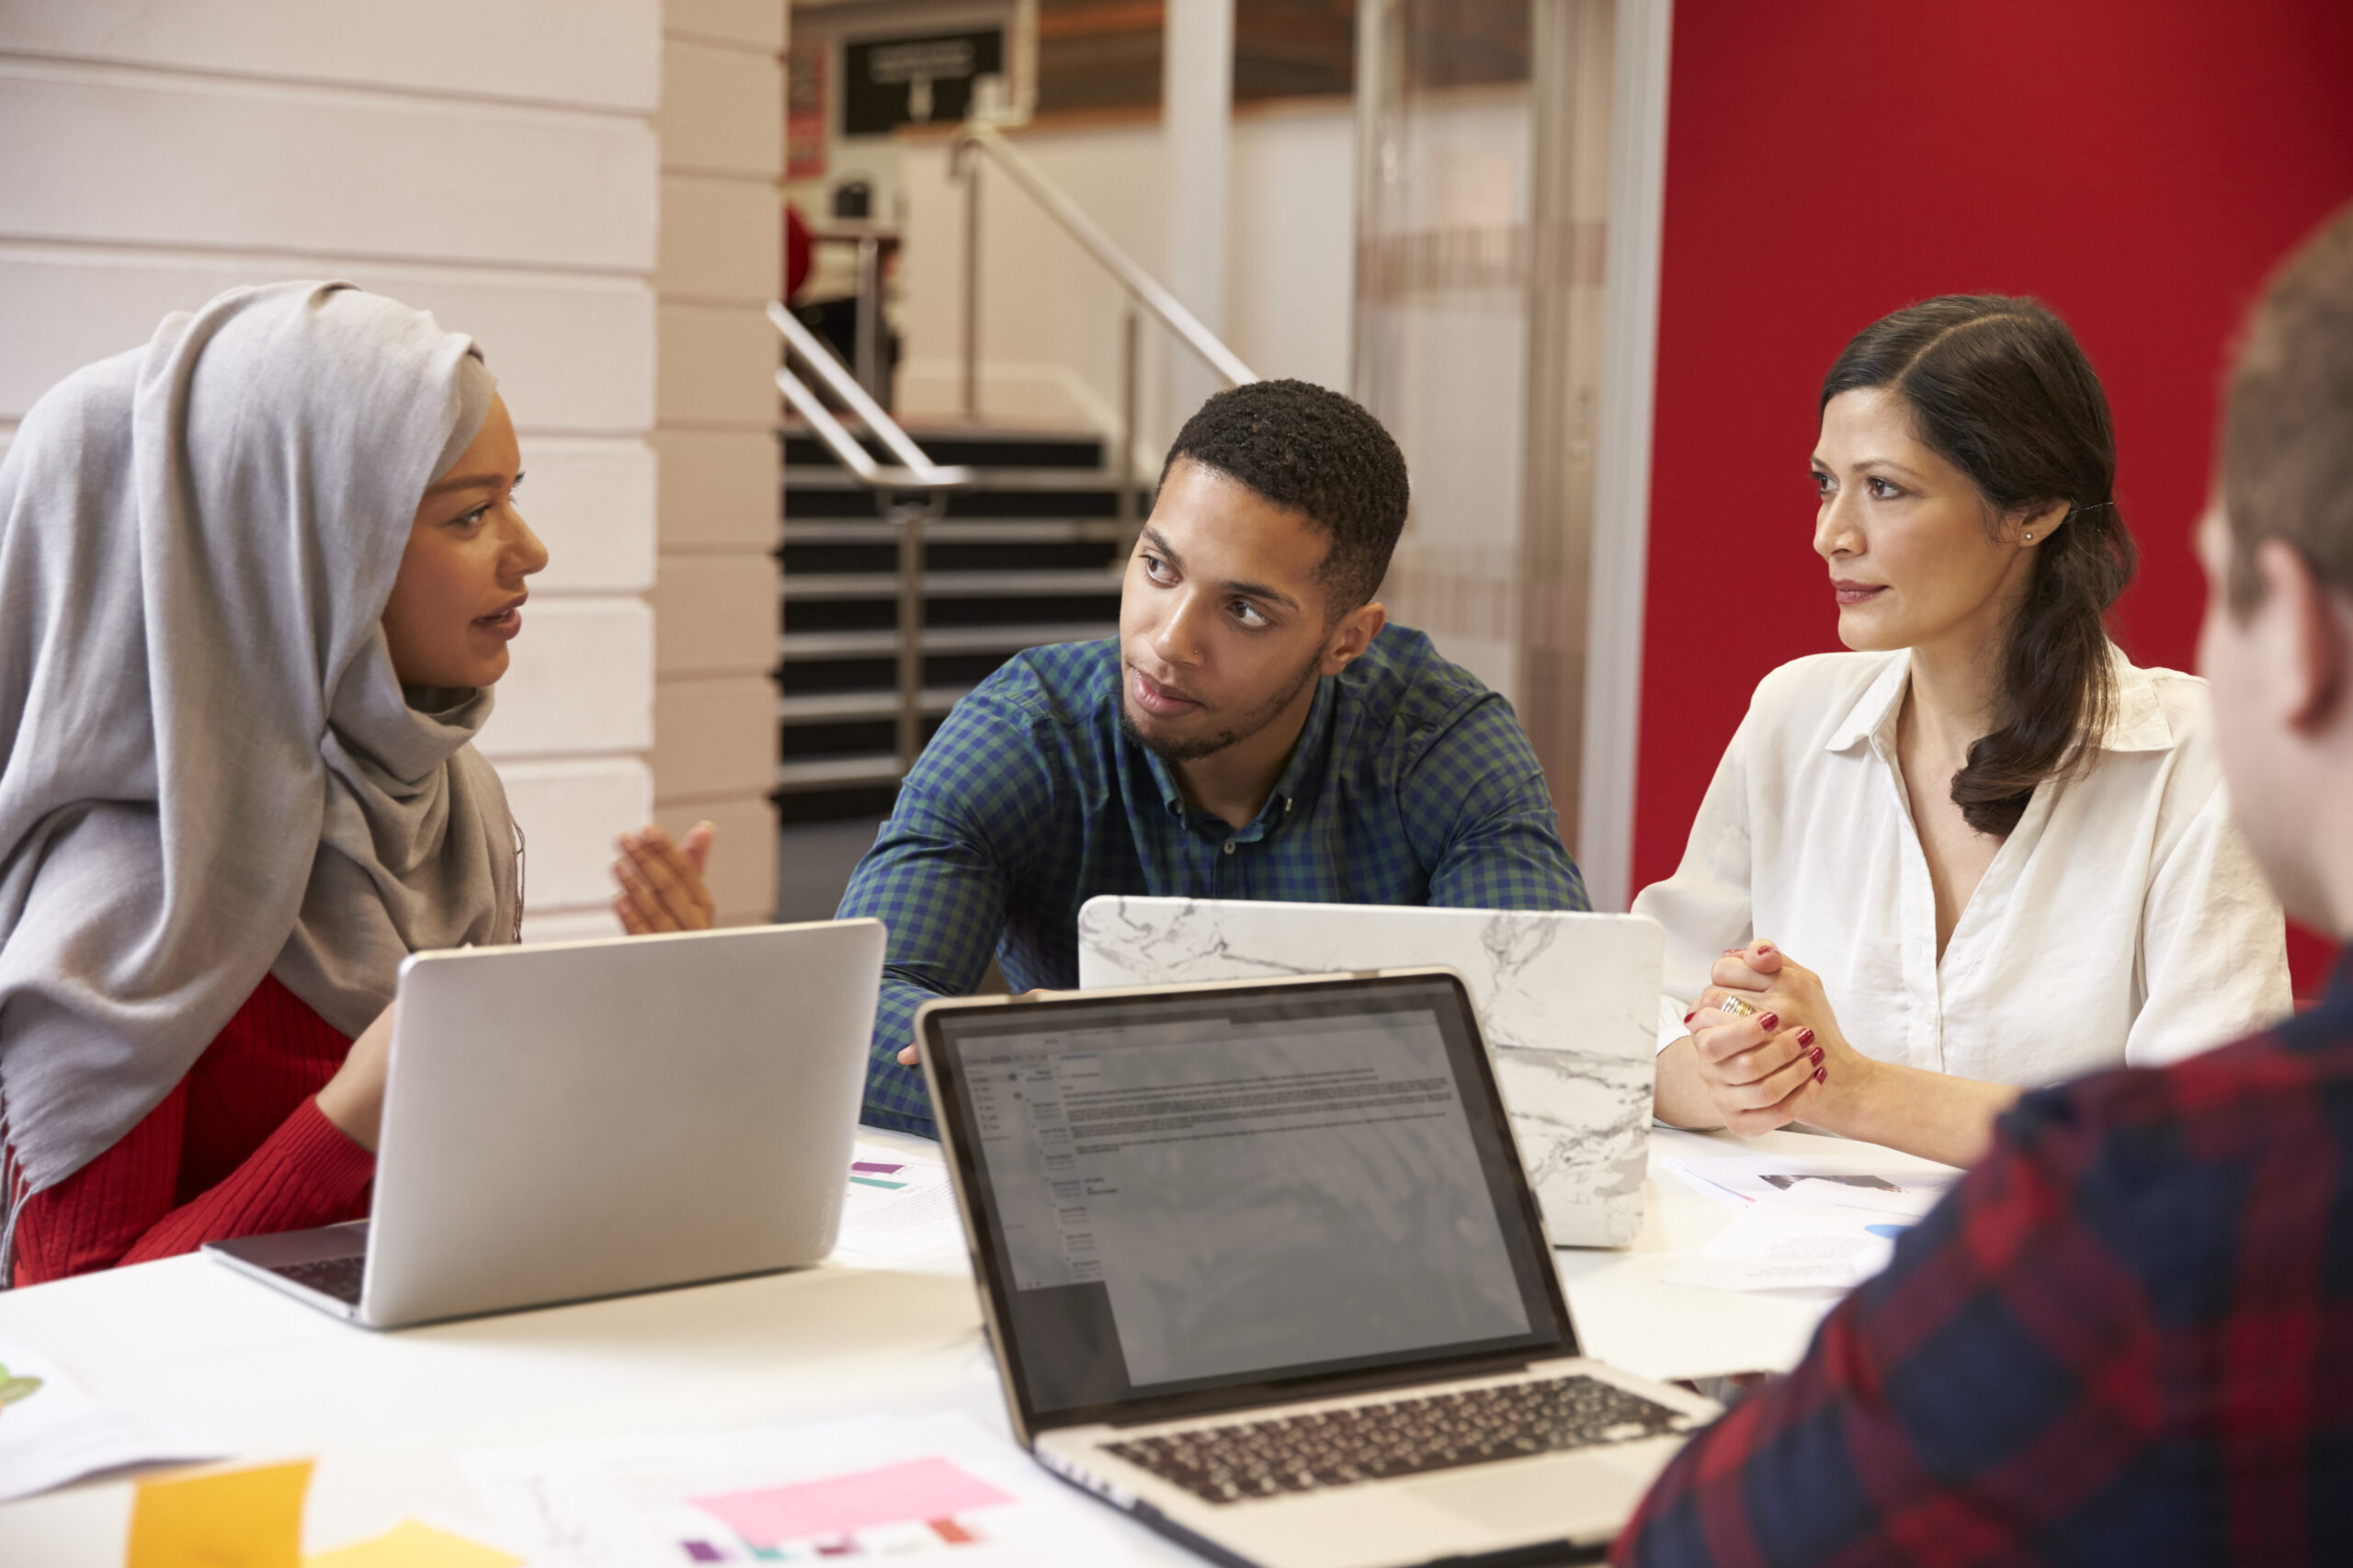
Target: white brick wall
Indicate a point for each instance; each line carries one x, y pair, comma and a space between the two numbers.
722, 154
497, 164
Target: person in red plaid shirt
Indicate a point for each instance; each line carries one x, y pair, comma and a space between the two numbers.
2128, 1335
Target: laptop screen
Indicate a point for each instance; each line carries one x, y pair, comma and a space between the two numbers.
1227, 1190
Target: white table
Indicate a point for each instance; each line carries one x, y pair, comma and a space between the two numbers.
387, 1413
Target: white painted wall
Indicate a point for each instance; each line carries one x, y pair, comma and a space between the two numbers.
1050, 340
1196, 160
495, 165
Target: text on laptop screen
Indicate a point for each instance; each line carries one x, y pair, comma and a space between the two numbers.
1198, 1192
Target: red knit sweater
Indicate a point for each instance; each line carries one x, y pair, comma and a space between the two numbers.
238, 1148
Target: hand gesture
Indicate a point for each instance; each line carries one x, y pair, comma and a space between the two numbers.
661, 882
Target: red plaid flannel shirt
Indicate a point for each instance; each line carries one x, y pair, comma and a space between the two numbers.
2127, 1336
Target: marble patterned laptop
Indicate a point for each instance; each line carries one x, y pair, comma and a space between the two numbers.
1568, 1004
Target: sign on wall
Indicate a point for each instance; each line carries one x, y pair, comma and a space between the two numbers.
805, 110
888, 82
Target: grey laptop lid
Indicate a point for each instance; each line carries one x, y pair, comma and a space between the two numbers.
585, 1119
1568, 1004
1169, 1194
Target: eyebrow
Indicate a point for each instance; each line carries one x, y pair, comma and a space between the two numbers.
1159, 541
1874, 462
468, 481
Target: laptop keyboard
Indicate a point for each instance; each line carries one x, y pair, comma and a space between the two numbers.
336, 1277
1409, 1436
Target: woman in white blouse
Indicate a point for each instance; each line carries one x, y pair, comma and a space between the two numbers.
1982, 852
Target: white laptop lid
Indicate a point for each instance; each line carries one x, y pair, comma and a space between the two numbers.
1568, 1005
584, 1118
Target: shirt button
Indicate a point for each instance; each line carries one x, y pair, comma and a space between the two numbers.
1229, 846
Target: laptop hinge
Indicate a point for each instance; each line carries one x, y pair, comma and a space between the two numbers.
1261, 1395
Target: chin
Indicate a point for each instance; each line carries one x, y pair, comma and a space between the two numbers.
1864, 633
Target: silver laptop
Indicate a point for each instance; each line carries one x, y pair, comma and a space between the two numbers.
1262, 1268
1568, 1004
587, 1118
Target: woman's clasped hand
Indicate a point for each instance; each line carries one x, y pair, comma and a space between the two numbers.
1772, 1056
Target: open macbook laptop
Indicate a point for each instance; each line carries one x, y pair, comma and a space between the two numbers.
1262, 1267
586, 1119
1568, 1005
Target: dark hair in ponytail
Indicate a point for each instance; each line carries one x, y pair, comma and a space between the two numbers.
2000, 389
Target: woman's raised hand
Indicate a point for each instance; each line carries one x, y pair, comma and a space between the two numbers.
661, 882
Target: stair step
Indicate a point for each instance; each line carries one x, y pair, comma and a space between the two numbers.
1082, 581
879, 702
835, 772
828, 476
960, 530
970, 447
800, 645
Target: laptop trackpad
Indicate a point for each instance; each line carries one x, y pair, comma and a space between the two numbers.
1571, 1498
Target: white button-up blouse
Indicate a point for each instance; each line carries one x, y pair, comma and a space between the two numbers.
2123, 920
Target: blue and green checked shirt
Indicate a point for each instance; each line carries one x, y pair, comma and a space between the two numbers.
1411, 784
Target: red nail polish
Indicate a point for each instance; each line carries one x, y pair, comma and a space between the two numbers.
1691, 1014
1805, 1037
1770, 1022
1817, 1058
1822, 1075
1764, 947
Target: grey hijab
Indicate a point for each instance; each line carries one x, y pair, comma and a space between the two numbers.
209, 771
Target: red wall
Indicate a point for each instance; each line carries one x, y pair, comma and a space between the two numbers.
2139, 164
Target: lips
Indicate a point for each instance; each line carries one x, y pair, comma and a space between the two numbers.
1850, 592
1160, 701
506, 620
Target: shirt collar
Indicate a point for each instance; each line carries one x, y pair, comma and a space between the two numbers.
1874, 711
2136, 722
1307, 759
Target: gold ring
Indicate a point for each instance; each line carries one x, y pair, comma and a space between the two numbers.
1736, 1006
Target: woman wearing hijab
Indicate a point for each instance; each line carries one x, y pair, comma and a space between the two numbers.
256, 580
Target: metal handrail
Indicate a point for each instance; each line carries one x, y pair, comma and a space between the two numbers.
913, 472
919, 472
1147, 289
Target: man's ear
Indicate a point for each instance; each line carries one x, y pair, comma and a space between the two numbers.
2304, 632
1351, 636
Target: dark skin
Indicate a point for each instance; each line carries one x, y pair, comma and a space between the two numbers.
456, 604
1225, 625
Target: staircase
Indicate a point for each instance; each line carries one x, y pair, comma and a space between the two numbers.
1031, 554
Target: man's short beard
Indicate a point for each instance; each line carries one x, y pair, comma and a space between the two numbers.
1251, 724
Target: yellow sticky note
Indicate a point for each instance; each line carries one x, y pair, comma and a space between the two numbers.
221, 1519
411, 1545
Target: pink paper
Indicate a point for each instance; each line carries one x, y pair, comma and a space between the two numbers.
804, 1510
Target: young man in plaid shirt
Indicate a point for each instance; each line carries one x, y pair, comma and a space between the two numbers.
2128, 1336
1252, 733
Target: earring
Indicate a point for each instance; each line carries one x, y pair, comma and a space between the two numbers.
2030, 538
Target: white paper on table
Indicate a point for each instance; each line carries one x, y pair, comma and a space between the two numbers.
60, 1431
1735, 1182
1814, 1236
915, 1213
625, 1502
